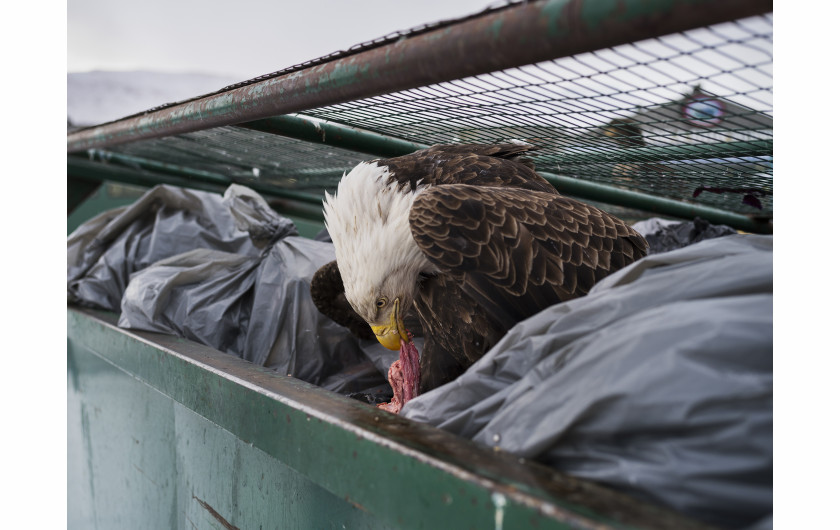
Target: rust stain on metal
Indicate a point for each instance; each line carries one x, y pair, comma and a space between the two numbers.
355, 504
216, 515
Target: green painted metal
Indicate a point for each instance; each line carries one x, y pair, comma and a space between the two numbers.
199, 175
109, 195
166, 433
81, 168
78, 191
334, 134
697, 151
522, 34
162, 172
303, 209
382, 145
139, 460
585, 189
308, 206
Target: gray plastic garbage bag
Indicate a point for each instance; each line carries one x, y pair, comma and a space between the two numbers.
228, 272
659, 383
203, 295
256, 308
663, 235
165, 221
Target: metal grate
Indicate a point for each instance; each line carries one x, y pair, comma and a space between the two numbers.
242, 156
673, 116
687, 116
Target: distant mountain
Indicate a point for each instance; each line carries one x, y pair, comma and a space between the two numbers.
97, 97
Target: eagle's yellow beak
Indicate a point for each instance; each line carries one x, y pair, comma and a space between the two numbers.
389, 335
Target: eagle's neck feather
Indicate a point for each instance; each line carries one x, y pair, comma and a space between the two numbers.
367, 220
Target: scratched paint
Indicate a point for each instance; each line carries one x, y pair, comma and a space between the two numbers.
216, 515
343, 75
495, 29
142, 460
499, 503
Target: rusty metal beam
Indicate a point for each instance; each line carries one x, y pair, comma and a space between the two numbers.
523, 34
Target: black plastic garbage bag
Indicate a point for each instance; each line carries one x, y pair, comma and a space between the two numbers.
659, 383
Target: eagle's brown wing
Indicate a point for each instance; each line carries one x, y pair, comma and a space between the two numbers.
458, 330
478, 165
327, 292
517, 251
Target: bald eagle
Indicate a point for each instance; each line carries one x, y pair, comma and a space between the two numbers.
458, 242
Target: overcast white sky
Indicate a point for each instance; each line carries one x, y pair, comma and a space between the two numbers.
243, 39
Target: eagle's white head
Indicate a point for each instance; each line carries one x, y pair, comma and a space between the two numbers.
377, 257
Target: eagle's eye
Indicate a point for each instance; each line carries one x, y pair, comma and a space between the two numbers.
382, 302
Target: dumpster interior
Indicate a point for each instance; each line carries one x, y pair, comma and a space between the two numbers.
657, 384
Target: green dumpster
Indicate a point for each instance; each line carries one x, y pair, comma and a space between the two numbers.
164, 432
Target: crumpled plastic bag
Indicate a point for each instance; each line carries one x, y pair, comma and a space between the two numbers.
658, 383
663, 235
228, 272
104, 251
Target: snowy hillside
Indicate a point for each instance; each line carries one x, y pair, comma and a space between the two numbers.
97, 97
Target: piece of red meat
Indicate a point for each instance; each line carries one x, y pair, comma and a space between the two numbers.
404, 377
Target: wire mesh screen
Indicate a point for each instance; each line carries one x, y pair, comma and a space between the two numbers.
676, 116
243, 156
687, 116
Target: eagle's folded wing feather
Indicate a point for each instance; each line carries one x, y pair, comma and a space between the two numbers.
519, 251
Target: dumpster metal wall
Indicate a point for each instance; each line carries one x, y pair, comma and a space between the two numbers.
166, 433
139, 459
